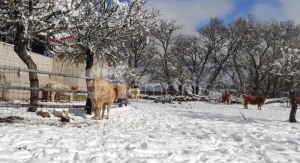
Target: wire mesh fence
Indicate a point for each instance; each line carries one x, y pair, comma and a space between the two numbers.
15, 92
15, 85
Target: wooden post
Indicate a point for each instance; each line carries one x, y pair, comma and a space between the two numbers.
294, 107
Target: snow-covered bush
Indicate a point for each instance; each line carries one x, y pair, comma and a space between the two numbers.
121, 74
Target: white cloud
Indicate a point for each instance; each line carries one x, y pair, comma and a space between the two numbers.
264, 11
291, 9
287, 10
191, 12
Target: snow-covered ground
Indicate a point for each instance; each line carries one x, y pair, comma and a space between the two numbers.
151, 132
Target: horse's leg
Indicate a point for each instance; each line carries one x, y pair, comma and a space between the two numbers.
245, 104
96, 111
52, 96
100, 111
94, 106
108, 109
103, 110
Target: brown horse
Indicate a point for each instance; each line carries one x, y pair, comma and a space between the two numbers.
226, 98
254, 100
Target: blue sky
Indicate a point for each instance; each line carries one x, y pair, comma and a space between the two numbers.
192, 13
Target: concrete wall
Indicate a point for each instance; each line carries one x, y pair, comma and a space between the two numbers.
63, 65
56, 64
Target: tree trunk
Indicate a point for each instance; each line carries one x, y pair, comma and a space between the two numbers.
20, 48
180, 89
193, 90
268, 84
294, 107
88, 73
197, 87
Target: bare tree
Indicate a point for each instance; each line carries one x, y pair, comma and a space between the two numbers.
23, 22
285, 56
256, 56
285, 69
164, 35
101, 26
177, 61
195, 60
139, 52
262, 49
236, 67
213, 38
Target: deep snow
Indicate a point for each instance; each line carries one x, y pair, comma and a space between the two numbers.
151, 132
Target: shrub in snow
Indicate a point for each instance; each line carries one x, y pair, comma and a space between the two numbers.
121, 74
